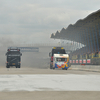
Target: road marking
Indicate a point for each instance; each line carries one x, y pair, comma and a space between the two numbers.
50, 82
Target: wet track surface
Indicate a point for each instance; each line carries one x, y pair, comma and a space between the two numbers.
45, 84
50, 82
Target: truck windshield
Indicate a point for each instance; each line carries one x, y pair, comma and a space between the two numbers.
13, 53
58, 51
61, 59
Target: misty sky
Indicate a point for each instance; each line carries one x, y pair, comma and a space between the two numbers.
32, 21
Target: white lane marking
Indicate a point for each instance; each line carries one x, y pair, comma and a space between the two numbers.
68, 82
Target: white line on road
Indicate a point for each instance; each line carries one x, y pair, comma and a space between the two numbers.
51, 82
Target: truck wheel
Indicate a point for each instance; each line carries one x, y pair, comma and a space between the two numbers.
50, 66
7, 66
19, 66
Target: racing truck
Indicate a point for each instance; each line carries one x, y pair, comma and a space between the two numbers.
55, 50
13, 57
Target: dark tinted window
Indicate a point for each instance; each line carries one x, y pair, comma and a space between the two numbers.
13, 52
58, 51
61, 59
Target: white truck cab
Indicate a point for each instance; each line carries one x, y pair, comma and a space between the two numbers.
61, 61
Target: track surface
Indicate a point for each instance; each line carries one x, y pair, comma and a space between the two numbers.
50, 82
46, 84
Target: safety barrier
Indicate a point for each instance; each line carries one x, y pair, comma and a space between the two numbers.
81, 61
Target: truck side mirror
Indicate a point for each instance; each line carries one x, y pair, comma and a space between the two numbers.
21, 54
6, 54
